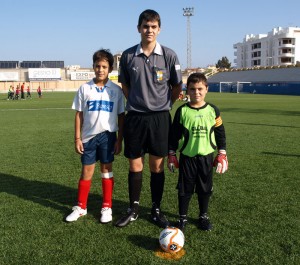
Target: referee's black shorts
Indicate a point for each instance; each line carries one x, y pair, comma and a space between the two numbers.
195, 174
146, 133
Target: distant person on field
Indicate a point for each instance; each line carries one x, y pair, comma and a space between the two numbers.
151, 80
197, 131
23, 91
11, 93
99, 119
39, 91
28, 92
17, 94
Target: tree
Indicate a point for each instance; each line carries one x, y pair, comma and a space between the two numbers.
223, 63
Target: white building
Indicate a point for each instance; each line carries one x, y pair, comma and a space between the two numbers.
281, 46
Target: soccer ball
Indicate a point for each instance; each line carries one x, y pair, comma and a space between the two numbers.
171, 239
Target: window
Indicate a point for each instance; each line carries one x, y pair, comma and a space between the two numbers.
256, 54
287, 41
256, 46
256, 63
286, 60
286, 51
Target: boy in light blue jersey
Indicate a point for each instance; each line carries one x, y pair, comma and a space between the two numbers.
99, 106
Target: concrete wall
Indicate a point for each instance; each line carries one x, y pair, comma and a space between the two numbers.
60, 85
45, 85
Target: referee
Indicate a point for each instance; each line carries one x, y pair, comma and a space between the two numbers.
151, 81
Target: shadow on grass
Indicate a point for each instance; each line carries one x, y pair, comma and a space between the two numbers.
145, 242
280, 154
59, 197
263, 111
53, 195
257, 124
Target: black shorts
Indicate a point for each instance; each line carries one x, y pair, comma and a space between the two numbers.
146, 133
195, 172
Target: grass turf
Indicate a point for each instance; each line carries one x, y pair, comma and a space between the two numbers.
254, 207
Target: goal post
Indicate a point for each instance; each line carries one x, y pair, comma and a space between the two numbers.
232, 87
224, 84
239, 85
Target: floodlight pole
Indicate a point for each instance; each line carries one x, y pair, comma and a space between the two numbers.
188, 12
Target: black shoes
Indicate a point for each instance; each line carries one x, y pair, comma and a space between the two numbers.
181, 224
159, 218
156, 215
204, 223
131, 216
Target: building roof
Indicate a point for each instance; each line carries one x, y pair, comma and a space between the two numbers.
259, 76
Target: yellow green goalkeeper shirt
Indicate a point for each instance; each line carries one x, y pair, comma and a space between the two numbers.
197, 131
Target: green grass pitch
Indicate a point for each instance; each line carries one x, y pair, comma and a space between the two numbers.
255, 206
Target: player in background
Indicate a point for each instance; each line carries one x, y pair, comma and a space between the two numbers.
151, 80
28, 92
23, 91
17, 93
99, 119
11, 93
197, 130
39, 91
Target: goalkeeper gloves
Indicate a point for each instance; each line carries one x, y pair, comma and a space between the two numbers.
221, 162
172, 161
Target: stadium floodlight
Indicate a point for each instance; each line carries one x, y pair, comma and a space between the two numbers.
188, 12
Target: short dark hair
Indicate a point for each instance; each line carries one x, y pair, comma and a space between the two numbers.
196, 78
103, 54
149, 15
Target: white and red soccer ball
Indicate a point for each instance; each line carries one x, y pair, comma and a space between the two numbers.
171, 239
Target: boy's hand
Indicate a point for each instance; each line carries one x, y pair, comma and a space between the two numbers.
79, 146
221, 162
172, 161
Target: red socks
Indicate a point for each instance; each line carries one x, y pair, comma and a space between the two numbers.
107, 191
83, 192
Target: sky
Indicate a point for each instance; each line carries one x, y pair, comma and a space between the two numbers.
71, 31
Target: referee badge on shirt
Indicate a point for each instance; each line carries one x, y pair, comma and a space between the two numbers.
159, 75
